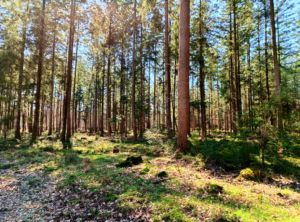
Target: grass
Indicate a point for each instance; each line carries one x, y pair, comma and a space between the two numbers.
182, 196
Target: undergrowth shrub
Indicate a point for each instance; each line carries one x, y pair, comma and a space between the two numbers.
71, 158
230, 154
154, 137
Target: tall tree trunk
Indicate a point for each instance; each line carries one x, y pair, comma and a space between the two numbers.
18, 121
154, 90
39, 76
232, 83
74, 91
235, 48
174, 105
133, 77
266, 51
52, 78
202, 78
276, 68
96, 100
108, 108
183, 76
149, 107
142, 87
102, 107
122, 91
167, 70
67, 108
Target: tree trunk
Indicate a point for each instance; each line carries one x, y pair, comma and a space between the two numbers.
183, 76
18, 121
232, 84
141, 88
133, 77
167, 70
39, 77
67, 108
276, 68
108, 108
74, 91
52, 78
266, 51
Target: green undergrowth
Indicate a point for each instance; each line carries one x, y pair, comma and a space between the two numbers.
170, 188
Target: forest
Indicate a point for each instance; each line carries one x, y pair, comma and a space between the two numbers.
150, 110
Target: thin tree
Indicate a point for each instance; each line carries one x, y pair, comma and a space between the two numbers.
276, 68
39, 76
167, 70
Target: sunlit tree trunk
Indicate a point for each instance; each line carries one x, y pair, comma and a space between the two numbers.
183, 76
133, 77
108, 102
52, 78
39, 77
167, 71
276, 68
67, 102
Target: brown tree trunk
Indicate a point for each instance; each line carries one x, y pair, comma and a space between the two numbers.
174, 105
108, 108
167, 70
67, 108
18, 121
142, 88
74, 91
232, 88
183, 76
202, 78
235, 48
39, 77
266, 51
276, 68
154, 90
133, 77
102, 105
52, 78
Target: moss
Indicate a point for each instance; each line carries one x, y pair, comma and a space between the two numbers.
144, 171
252, 174
136, 160
130, 161
124, 163
162, 174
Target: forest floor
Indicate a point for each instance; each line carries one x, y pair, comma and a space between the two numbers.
44, 182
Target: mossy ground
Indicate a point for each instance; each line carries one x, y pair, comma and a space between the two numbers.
176, 198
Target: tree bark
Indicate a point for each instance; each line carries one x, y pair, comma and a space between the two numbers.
67, 108
39, 77
167, 70
133, 77
276, 68
52, 78
183, 76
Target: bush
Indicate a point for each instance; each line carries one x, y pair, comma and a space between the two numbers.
71, 158
154, 137
230, 154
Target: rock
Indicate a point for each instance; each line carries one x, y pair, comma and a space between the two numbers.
253, 175
136, 160
130, 161
162, 174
